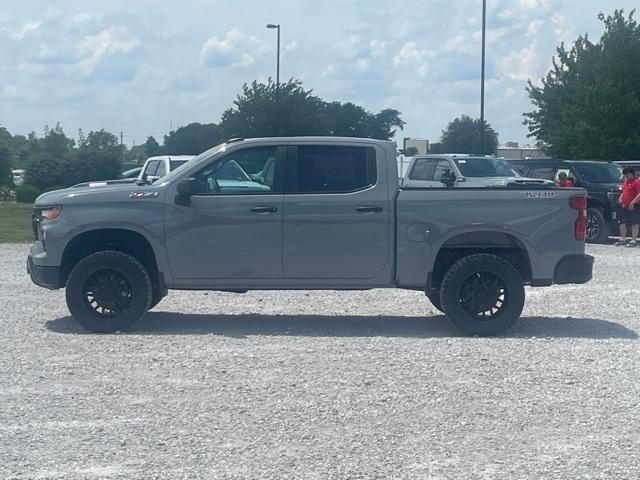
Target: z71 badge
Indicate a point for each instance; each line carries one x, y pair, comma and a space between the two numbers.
540, 194
143, 195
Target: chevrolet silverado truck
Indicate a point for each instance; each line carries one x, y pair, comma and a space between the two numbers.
464, 171
311, 213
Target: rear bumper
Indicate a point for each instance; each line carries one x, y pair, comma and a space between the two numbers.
44, 276
574, 269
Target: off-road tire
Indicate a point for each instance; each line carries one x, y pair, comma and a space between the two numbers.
451, 294
139, 285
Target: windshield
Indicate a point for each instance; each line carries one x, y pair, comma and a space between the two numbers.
204, 155
599, 172
485, 167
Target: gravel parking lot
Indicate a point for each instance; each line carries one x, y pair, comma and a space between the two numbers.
323, 385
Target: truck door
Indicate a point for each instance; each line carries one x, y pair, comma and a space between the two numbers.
336, 212
233, 227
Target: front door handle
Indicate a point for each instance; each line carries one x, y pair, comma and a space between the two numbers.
368, 209
264, 209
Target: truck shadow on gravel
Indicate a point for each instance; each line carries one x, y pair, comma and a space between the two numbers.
239, 326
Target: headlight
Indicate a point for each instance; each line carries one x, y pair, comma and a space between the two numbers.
50, 213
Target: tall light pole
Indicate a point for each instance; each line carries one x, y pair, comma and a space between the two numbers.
484, 32
277, 27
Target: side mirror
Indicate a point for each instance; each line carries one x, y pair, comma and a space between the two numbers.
187, 187
151, 178
448, 178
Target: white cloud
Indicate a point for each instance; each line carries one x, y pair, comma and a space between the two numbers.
378, 48
234, 49
534, 27
10, 91
521, 65
113, 41
20, 32
412, 57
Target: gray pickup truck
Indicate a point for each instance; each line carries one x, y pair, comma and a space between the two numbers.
308, 213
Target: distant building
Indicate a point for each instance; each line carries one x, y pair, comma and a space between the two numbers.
513, 150
420, 144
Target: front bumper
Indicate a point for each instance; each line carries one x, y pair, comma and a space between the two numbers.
574, 269
44, 276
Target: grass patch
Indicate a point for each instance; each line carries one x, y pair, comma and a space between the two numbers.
15, 222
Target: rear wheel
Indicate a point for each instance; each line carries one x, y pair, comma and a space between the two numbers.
597, 228
108, 291
482, 294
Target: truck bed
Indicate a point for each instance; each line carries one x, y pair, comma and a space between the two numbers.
538, 220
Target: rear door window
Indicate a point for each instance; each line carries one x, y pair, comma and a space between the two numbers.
331, 169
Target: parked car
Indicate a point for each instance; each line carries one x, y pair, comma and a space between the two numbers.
18, 176
630, 163
331, 216
455, 170
602, 181
132, 173
157, 167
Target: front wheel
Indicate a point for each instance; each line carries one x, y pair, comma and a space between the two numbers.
482, 294
597, 228
108, 291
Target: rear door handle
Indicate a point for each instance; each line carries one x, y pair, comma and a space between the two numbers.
368, 209
264, 209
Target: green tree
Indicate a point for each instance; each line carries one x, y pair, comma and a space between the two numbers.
6, 178
152, 147
48, 158
462, 135
588, 105
55, 142
256, 114
45, 170
192, 139
99, 157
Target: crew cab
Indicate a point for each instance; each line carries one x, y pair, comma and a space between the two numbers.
602, 181
461, 170
312, 213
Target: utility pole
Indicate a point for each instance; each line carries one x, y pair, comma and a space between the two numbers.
271, 26
122, 147
484, 31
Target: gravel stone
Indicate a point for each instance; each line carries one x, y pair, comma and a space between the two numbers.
323, 385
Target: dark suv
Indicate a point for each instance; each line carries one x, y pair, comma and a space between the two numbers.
602, 181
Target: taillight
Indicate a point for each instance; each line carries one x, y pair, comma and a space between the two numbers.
580, 225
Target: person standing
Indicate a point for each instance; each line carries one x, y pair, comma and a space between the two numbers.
628, 212
564, 180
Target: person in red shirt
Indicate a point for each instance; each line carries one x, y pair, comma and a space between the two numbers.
564, 180
628, 214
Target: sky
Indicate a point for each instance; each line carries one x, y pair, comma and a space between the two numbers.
143, 66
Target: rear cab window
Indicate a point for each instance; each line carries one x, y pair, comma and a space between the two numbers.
331, 169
